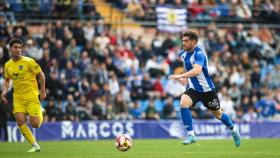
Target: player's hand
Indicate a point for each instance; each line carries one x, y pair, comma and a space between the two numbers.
3, 97
183, 81
43, 95
174, 77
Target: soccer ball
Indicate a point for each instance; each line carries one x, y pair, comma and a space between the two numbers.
123, 142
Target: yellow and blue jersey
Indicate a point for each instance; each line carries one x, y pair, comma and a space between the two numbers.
23, 75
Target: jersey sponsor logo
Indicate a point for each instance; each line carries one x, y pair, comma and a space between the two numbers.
20, 67
15, 74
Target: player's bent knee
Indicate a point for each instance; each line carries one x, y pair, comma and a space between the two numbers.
217, 114
182, 105
20, 122
20, 118
186, 101
35, 121
35, 125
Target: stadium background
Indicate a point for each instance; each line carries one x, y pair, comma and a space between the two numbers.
108, 60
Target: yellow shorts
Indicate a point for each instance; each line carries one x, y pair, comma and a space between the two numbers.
31, 107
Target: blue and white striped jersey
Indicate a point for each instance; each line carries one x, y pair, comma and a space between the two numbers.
201, 82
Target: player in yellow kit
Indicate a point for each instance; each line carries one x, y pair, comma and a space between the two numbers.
23, 72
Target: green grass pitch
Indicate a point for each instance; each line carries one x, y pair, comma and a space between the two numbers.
147, 148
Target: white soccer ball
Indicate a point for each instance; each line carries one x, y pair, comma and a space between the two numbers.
123, 142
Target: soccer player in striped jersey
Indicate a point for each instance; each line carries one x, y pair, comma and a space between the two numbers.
199, 87
23, 72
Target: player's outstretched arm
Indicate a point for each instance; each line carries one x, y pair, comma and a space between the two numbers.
183, 81
42, 81
196, 70
5, 90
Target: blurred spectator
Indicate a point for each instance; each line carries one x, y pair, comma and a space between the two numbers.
245, 104
78, 33
223, 8
227, 105
73, 49
4, 52
72, 87
147, 86
94, 92
250, 116
83, 62
135, 9
158, 87
235, 95
266, 107
174, 88
4, 34
102, 41
32, 50
125, 93
154, 67
53, 111
88, 7
242, 10
89, 31
57, 51
275, 77
84, 86
168, 111
110, 114
256, 77
84, 109
70, 109
70, 71
98, 110
113, 84
135, 111
120, 107
151, 113
54, 88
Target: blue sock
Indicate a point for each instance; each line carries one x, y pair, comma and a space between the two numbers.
227, 121
187, 118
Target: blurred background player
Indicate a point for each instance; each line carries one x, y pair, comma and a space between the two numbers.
200, 87
23, 72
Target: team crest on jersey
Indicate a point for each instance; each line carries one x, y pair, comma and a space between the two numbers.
183, 56
20, 67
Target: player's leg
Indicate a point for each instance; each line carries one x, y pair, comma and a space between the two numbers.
36, 119
223, 117
227, 121
211, 101
19, 112
186, 102
25, 131
35, 113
